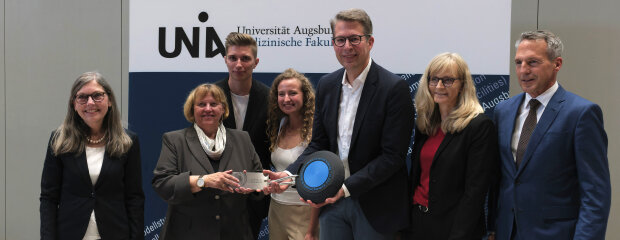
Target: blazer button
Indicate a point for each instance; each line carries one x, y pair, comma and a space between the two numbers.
92, 194
217, 217
517, 182
217, 197
434, 180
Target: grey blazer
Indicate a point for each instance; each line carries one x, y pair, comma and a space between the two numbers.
210, 213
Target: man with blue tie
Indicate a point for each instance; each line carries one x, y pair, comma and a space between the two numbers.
554, 171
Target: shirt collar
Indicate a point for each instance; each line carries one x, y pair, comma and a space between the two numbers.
359, 80
543, 98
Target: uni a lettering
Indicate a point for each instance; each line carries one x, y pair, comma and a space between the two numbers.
192, 45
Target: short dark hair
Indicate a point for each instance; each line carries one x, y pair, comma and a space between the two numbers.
354, 15
241, 39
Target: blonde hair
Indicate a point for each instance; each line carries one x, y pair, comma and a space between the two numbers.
70, 136
200, 92
467, 105
275, 114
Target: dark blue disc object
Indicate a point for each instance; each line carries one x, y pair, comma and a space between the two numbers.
320, 177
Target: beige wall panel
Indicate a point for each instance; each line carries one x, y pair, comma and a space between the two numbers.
523, 18
2, 129
124, 94
48, 44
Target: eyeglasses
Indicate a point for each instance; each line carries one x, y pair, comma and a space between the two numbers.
447, 82
353, 40
83, 98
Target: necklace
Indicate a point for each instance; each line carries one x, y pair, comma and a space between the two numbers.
95, 141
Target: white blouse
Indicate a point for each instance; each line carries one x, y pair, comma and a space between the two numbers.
281, 159
94, 158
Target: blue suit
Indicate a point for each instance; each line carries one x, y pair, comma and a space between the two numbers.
561, 190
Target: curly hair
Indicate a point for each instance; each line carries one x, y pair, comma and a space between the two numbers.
275, 114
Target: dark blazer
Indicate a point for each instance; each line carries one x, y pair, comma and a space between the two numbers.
459, 179
255, 124
381, 135
561, 189
68, 197
210, 213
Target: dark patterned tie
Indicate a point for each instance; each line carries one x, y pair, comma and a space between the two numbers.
526, 131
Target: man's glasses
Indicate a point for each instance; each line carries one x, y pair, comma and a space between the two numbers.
83, 98
447, 82
353, 40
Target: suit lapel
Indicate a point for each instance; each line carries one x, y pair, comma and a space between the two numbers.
331, 110
229, 122
548, 116
255, 103
368, 92
195, 148
442, 146
511, 119
82, 165
104, 169
419, 138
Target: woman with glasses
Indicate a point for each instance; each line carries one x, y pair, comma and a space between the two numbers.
454, 154
91, 186
289, 127
194, 172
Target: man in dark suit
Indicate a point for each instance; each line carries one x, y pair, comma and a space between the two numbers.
364, 114
247, 99
553, 149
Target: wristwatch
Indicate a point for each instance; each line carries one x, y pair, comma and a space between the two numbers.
201, 182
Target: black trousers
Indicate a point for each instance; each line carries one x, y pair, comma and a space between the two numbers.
430, 226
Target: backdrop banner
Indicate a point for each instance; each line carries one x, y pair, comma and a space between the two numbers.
177, 45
